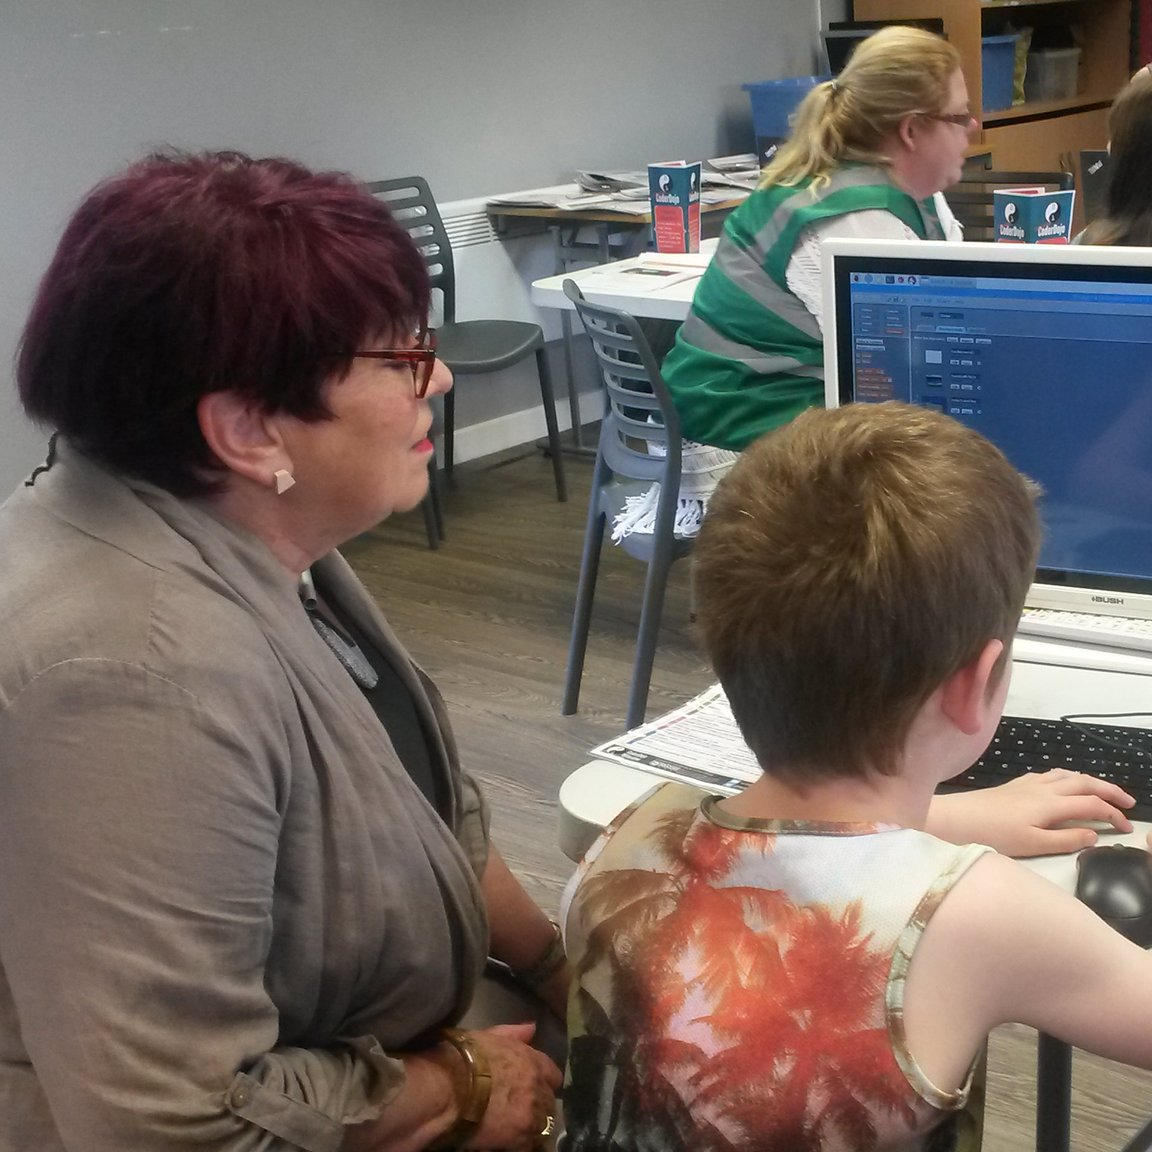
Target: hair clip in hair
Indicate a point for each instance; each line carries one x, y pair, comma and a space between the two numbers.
283, 479
833, 87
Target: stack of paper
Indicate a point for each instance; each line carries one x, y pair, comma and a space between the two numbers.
647, 273
556, 197
613, 182
731, 172
698, 743
722, 179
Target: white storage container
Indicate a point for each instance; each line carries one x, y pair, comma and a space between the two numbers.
1052, 74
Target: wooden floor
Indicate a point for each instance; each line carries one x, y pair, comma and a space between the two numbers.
488, 615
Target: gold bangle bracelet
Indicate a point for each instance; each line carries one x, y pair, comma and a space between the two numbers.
473, 1102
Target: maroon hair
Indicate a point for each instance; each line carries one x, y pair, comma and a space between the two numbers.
191, 274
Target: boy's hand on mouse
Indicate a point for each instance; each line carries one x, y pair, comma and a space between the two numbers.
1022, 817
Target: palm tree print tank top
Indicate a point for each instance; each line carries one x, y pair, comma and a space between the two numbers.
738, 985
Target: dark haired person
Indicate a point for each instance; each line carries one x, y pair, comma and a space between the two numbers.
244, 884
1127, 214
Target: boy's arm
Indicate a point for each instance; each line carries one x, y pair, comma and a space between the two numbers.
1021, 818
1007, 945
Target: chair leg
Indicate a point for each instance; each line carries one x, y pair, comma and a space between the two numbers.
647, 634
435, 498
549, 399
432, 508
427, 505
585, 593
449, 433
1142, 1141
1053, 1094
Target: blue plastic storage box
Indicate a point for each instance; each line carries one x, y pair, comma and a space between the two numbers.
773, 102
998, 62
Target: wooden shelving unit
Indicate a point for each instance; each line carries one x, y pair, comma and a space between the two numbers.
1042, 135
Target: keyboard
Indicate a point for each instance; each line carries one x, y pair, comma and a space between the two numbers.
1109, 631
1023, 744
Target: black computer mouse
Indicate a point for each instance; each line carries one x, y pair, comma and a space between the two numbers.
1115, 881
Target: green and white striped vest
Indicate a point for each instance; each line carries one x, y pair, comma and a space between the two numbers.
750, 356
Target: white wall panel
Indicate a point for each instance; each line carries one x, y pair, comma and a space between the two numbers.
481, 96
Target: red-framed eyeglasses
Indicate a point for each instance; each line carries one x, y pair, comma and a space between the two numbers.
960, 119
421, 359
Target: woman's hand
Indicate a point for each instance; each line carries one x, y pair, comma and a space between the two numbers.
1023, 817
524, 1087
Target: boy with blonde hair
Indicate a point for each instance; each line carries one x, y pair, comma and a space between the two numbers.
805, 965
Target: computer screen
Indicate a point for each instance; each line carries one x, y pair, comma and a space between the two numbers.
842, 36
1047, 351
1093, 182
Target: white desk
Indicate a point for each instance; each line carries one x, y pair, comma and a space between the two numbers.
592, 796
671, 303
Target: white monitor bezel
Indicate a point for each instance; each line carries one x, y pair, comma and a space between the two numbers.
1076, 598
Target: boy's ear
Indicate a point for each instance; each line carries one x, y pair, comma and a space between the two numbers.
245, 439
966, 696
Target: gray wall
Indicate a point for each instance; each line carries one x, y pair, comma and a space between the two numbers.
482, 96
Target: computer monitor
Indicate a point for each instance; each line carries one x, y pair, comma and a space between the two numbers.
842, 36
1093, 182
1046, 350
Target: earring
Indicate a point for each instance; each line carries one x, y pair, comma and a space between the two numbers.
284, 480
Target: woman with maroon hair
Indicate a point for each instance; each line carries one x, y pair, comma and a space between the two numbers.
245, 888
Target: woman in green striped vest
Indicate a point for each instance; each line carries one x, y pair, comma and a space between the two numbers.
869, 154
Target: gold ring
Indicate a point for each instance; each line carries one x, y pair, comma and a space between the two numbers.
549, 1124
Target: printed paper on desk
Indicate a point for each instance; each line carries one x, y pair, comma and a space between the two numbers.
732, 171
648, 274
611, 181
697, 743
555, 197
743, 161
613, 202
639, 277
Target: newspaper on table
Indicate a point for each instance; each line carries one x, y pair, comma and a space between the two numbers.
697, 743
647, 273
576, 198
634, 182
559, 196
627, 192
742, 172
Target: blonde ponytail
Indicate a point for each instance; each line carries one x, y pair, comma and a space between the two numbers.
894, 73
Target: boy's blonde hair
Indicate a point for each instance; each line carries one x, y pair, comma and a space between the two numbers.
848, 565
892, 74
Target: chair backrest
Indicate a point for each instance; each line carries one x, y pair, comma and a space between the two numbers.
411, 202
640, 435
971, 200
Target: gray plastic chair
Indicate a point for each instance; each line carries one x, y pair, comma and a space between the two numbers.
971, 200
468, 347
432, 508
634, 391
